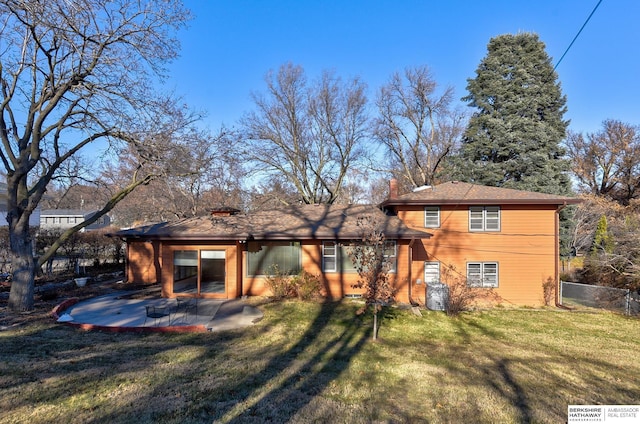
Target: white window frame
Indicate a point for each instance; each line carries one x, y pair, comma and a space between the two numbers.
482, 218
391, 257
327, 248
428, 220
433, 266
483, 274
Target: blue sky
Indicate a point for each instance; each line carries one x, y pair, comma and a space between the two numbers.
231, 44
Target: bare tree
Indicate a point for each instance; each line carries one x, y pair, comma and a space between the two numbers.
370, 259
308, 134
74, 73
585, 219
360, 188
607, 234
271, 193
417, 126
607, 163
210, 177
216, 184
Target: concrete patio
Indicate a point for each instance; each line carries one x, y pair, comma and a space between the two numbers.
119, 312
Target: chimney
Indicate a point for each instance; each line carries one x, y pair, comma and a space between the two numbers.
393, 189
224, 211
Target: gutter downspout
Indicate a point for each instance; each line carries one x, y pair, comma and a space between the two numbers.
410, 256
557, 261
126, 259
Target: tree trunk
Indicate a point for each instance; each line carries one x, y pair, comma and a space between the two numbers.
21, 296
375, 325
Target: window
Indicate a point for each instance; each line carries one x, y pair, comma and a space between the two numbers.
185, 264
432, 216
335, 257
329, 257
482, 274
484, 218
431, 272
262, 257
390, 255
199, 271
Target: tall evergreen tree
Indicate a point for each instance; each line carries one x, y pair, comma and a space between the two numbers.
513, 138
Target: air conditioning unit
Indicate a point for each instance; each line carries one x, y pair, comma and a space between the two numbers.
437, 296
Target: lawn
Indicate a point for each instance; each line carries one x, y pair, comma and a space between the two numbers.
312, 362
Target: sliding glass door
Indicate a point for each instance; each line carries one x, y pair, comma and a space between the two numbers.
212, 271
185, 271
197, 272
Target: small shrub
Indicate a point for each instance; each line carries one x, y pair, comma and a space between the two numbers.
548, 291
571, 275
306, 285
280, 283
462, 296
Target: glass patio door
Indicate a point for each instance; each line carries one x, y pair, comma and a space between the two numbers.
212, 272
185, 271
199, 272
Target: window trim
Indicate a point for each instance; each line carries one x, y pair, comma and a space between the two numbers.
326, 245
483, 274
424, 274
432, 209
394, 264
484, 218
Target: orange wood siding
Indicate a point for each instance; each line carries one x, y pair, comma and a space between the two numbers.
143, 262
524, 248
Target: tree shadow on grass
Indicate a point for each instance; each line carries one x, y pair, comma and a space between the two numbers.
490, 368
289, 382
290, 378
524, 380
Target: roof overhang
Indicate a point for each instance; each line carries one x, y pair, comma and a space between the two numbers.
263, 237
476, 202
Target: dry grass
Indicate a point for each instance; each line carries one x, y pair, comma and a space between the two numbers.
311, 362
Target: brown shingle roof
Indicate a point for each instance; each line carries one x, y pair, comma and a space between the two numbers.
298, 222
455, 192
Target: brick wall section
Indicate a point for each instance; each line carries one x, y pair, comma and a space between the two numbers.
143, 262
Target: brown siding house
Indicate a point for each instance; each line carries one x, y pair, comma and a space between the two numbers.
494, 238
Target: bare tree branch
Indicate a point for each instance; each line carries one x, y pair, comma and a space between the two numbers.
607, 163
72, 74
417, 126
309, 134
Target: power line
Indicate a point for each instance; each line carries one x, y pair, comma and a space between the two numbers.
574, 38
